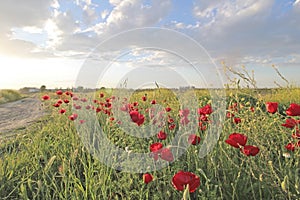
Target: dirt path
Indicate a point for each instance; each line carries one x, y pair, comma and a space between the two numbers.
19, 114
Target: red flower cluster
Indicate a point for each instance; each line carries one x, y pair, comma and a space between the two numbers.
239, 140
234, 109
204, 113
138, 115
293, 111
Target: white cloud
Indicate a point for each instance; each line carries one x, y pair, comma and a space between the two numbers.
129, 14
53, 33
104, 14
233, 30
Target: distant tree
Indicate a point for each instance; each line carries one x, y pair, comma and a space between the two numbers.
80, 88
42, 88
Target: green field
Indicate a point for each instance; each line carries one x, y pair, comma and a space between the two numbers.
48, 160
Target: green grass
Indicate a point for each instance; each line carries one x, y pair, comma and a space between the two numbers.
49, 161
9, 95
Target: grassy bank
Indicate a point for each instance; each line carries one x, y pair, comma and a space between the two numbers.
9, 95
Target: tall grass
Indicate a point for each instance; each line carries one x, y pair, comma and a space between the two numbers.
9, 95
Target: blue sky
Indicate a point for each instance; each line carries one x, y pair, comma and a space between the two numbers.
49, 42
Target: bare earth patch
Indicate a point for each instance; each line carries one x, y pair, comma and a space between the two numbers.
19, 114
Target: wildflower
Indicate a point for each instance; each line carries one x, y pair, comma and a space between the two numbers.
272, 107
250, 150
236, 140
59, 92
194, 139
290, 147
161, 135
181, 179
46, 97
137, 118
290, 123
293, 110
205, 110
147, 178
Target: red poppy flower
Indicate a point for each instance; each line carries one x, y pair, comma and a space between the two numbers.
56, 105
108, 105
66, 100
98, 109
83, 99
137, 118
181, 179
290, 147
161, 135
250, 150
75, 98
46, 97
77, 107
144, 98
293, 110
62, 111
59, 92
155, 148
166, 154
168, 109
236, 140
153, 101
170, 120
73, 116
194, 139
252, 109
205, 110
101, 95
81, 121
59, 101
272, 107
147, 178
172, 126
237, 120
290, 123
67, 93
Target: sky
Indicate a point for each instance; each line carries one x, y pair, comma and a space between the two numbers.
67, 43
